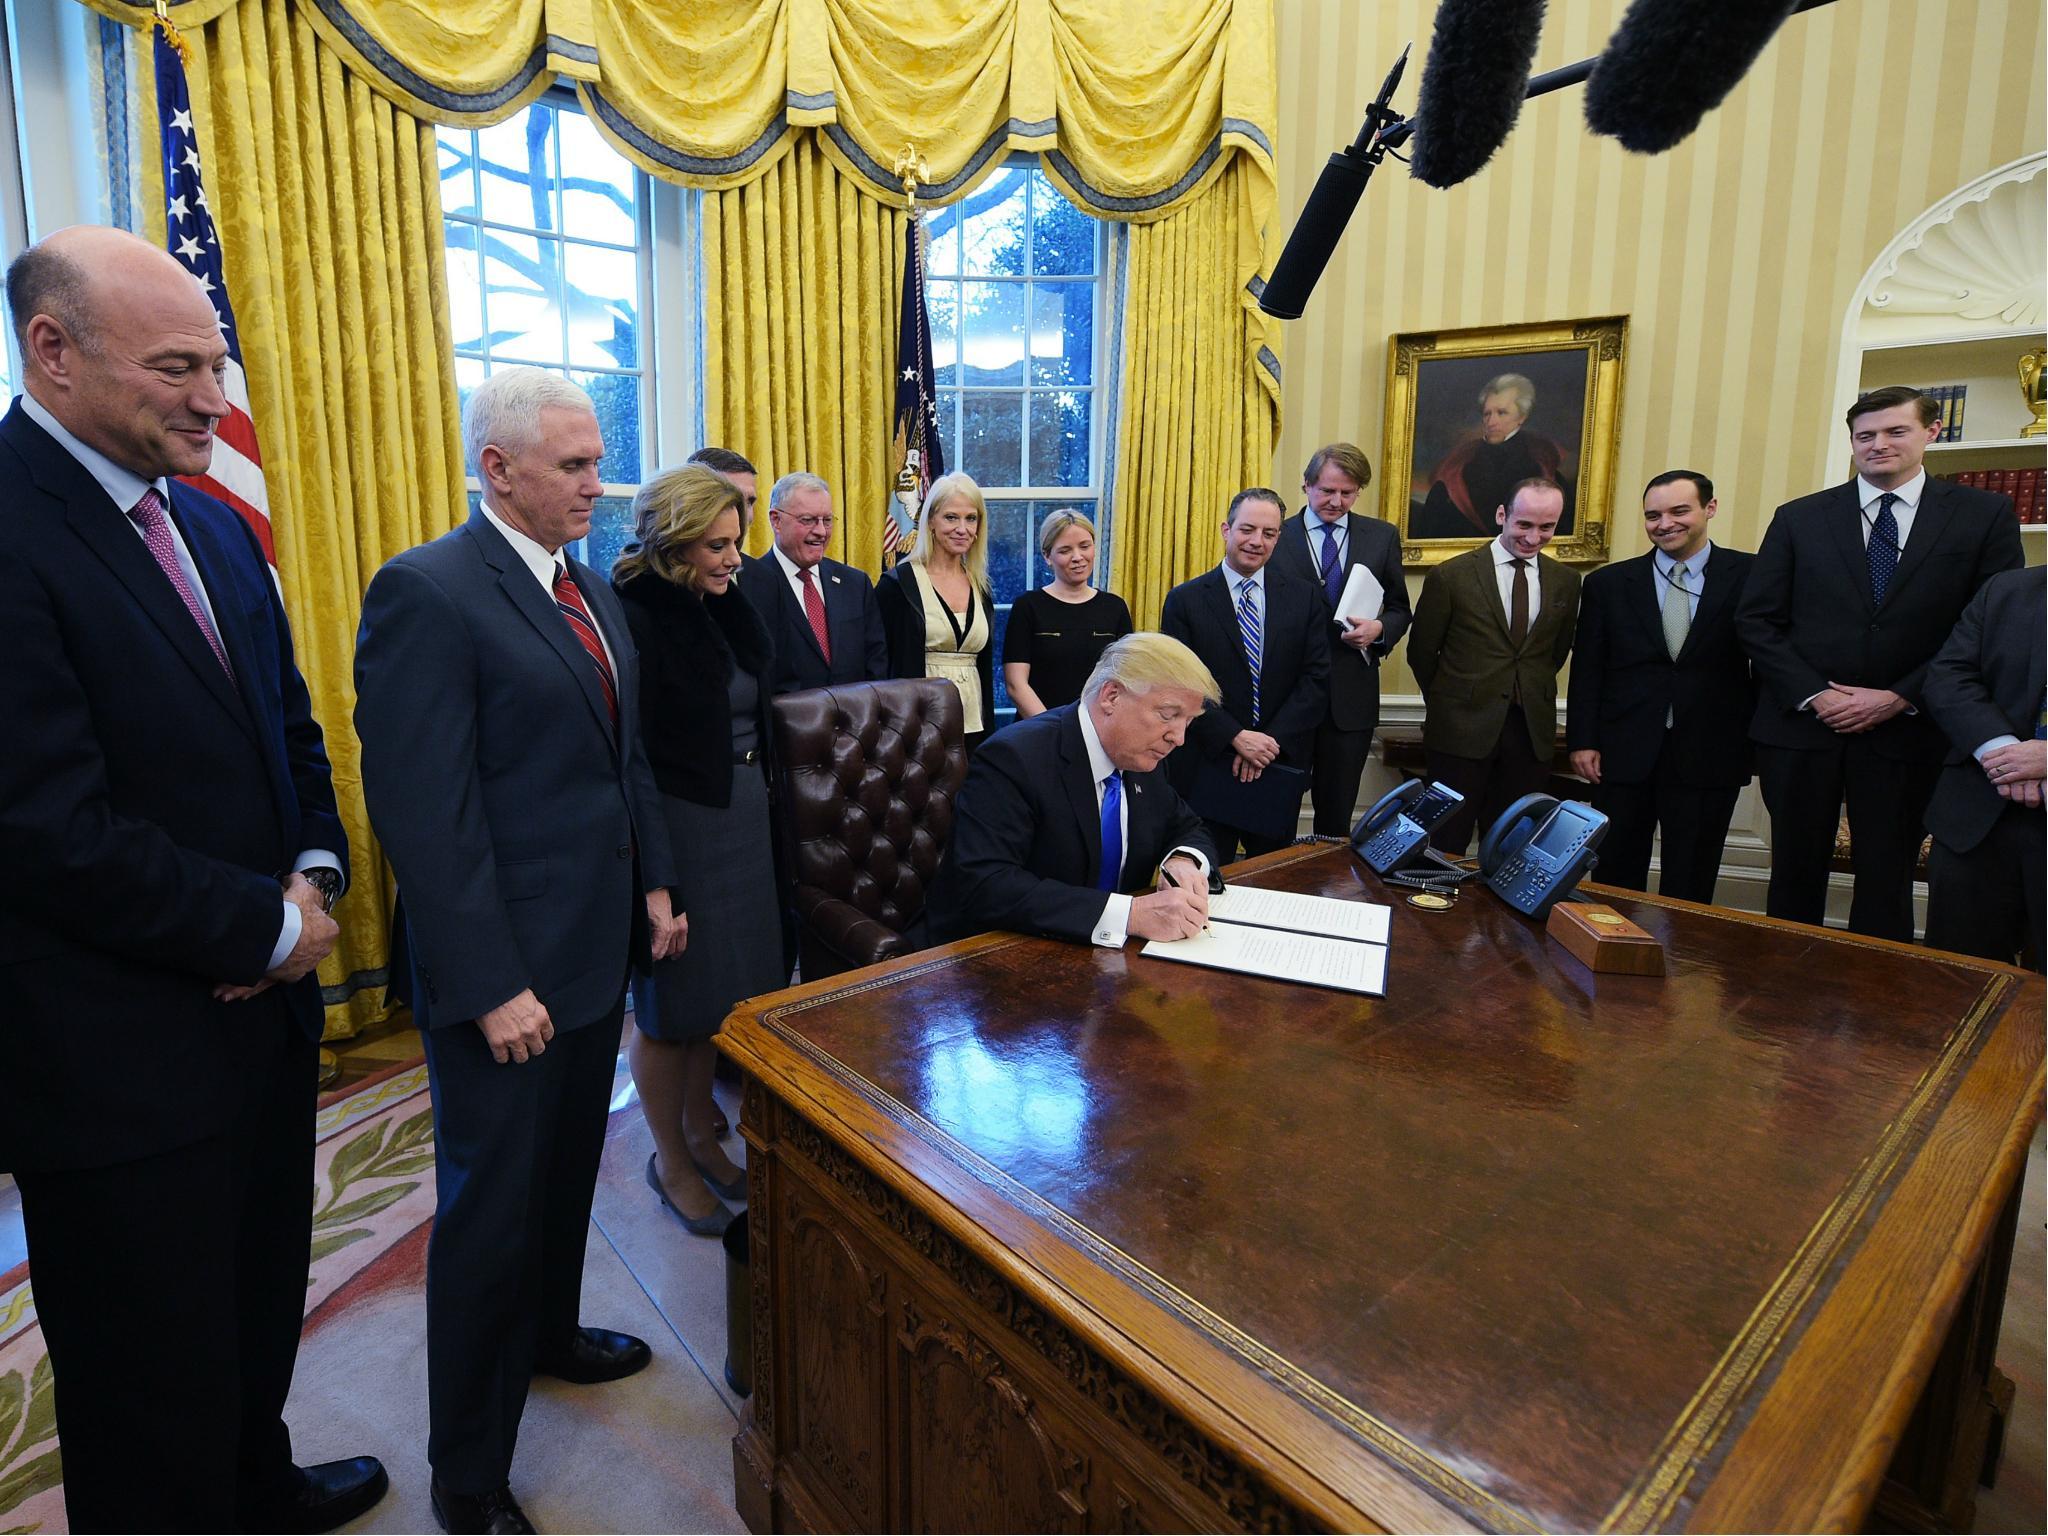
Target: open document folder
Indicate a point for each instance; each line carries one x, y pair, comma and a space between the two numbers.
1290, 937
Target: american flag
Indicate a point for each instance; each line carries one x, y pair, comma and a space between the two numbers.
236, 474
919, 457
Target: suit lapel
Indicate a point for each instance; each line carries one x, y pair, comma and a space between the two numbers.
1715, 595
1643, 598
218, 579
833, 590
1079, 780
1844, 518
538, 608
1223, 612
1930, 527
1486, 575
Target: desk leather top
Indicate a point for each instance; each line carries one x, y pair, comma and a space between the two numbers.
1533, 1236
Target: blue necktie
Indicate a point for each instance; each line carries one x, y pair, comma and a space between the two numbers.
1883, 549
1112, 833
1333, 573
1248, 631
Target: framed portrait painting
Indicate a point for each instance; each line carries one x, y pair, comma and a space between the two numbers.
1471, 414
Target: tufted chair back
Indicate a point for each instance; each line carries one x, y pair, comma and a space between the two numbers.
869, 775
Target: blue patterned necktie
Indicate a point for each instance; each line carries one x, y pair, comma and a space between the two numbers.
1112, 833
1883, 549
1333, 573
1248, 631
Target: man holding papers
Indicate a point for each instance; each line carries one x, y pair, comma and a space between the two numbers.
1326, 544
1066, 817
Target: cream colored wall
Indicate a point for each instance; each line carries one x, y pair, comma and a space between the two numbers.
1734, 255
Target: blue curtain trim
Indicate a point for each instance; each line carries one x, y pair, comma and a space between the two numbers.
675, 159
114, 114
1271, 364
379, 59
357, 981
582, 53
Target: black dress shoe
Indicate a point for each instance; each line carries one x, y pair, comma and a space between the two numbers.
325, 1496
465, 1512
594, 1354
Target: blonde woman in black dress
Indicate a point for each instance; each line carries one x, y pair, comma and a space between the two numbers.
935, 604
1057, 633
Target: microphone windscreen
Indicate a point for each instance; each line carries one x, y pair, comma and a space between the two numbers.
1322, 220
1671, 62
1472, 85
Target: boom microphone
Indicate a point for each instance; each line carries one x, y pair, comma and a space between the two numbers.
1329, 208
1671, 62
1473, 85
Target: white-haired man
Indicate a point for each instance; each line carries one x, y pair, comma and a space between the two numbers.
1067, 825
822, 613
497, 702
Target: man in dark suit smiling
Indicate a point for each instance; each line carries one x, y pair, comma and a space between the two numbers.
822, 613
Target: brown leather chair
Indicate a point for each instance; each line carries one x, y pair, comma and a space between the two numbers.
869, 774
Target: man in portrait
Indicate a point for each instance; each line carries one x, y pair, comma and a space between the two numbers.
1475, 479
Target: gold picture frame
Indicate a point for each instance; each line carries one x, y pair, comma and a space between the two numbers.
1448, 439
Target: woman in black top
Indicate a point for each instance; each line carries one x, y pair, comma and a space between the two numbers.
705, 656
1057, 633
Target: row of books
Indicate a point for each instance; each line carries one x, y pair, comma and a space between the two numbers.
2024, 486
1950, 398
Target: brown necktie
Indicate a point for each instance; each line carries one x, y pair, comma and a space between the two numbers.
1518, 603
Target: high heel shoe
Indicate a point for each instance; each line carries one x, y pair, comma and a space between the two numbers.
713, 1225
731, 1189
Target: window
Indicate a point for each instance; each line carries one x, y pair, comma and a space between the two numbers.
1016, 296
549, 265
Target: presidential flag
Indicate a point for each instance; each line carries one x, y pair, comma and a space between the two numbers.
917, 452
236, 474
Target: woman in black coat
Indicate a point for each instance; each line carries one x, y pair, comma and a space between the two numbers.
705, 658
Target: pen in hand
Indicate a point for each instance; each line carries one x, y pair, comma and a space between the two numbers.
1167, 875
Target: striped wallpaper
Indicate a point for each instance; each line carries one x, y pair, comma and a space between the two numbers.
1734, 255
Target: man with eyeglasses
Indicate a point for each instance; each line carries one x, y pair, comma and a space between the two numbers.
823, 615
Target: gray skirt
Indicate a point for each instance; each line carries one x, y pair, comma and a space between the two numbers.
726, 884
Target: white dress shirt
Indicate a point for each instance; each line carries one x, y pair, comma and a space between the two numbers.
1114, 926
1694, 580
125, 488
1312, 527
544, 562
1504, 579
1905, 509
794, 574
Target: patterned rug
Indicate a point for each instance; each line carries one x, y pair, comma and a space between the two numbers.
374, 1190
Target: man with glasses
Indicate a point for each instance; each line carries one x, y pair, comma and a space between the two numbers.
822, 614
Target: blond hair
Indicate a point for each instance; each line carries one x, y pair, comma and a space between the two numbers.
1146, 660
1057, 523
945, 489
674, 510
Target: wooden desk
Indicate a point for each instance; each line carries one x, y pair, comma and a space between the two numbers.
1052, 1237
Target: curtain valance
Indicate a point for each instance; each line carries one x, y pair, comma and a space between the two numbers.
1136, 105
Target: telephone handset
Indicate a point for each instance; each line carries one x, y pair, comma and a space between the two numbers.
1395, 832
1539, 850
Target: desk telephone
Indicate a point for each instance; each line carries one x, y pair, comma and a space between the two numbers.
1532, 857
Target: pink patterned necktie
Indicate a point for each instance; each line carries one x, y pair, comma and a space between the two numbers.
148, 515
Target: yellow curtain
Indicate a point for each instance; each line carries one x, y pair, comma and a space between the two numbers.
803, 271
328, 205
1201, 395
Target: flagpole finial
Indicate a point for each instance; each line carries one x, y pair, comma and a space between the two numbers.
172, 35
911, 168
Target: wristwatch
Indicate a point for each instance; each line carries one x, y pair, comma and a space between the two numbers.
327, 881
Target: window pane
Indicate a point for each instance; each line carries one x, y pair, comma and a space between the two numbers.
993, 346
611, 527
949, 426
465, 293
942, 241
598, 185
1062, 333
602, 288
520, 297
943, 305
516, 158
1059, 437
457, 148
469, 372
993, 225
617, 399
992, 436
1062, 236
1009, 537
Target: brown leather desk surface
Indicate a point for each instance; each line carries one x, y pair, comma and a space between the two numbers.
1540, 1241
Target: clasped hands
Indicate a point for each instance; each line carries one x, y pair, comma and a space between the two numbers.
317, 933
1253, 753
1178, 908
1851, 710
2016, 770
519, 1028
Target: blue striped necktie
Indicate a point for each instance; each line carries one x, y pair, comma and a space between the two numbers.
1248, 631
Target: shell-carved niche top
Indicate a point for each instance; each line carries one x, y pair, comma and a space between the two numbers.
1979, 257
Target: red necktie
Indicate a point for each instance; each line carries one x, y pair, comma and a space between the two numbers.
570, 601
148, 515
814, 610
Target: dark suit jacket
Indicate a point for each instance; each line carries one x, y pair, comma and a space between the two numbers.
860, 646
1987, 681
1354, 674
690, 648
1027, 836
148, 807
1294, 664
902, 605
1806, 618
1458, 647
509, 808
1624, 682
